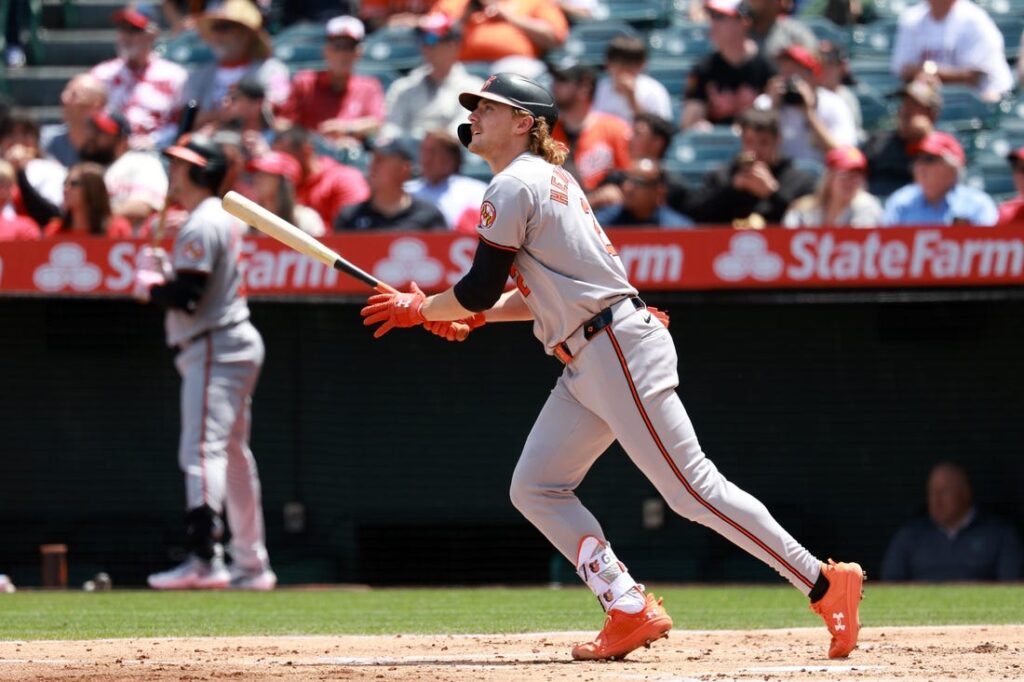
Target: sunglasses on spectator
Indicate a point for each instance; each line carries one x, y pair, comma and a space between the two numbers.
927, 158
345, 44
642, 182
222, 26
72, 182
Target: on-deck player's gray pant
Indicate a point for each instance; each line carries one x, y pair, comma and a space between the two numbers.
621, 385
218, 376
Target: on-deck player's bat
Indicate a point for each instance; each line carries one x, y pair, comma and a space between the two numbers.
185, 123
269, 223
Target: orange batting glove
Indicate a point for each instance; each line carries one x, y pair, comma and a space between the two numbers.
455, 330
660, 314
394, 310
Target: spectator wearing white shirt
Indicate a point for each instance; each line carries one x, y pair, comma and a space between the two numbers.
428, 97
146, 88
456, 196
955, 41
626, 90
812, 120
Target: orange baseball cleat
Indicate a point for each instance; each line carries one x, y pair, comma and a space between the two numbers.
839, 607
623, 632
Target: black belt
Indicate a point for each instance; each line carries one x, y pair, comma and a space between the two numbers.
593, 326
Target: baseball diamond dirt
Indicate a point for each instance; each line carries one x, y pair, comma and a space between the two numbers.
886, 653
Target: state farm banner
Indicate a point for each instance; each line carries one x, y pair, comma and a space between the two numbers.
666, 260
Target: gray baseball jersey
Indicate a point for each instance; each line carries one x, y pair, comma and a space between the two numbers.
565, 266
209, 242
220, 358
618, 384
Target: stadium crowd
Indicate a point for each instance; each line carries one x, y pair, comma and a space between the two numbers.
762, 124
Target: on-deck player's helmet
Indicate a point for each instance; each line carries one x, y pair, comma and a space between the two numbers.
514, 90
208, 162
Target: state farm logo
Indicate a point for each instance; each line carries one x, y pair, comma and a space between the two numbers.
748, 256
67, 267
409, 261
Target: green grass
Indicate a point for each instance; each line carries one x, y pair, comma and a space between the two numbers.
80, 615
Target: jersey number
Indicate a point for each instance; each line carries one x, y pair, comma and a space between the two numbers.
517, 277
560, 181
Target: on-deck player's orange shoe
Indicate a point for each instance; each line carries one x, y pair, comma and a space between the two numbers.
624, 632
839, 607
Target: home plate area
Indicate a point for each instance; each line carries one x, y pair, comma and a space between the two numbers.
885, 653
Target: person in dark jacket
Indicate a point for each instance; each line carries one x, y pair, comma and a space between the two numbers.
757, 186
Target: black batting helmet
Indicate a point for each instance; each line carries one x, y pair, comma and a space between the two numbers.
514, 90
208, 163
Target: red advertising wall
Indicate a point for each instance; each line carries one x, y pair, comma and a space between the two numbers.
657, 260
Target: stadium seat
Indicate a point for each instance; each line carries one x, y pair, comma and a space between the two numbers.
588, 41
890, 9
1011, 27
292, 53
393, 48
991, 147
963, 110
826, 29
678, 41
642, 14
814, 168
996, 179
692, 172
302, 32
873, 39
187, 48
673, 76
875, 110
718, 145
875, 74
999, 8
478, 69
475, 167
385, 75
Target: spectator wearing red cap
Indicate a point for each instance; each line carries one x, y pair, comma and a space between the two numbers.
235, 33
937, 197
774, 30
889, 150
428, 98
954, 41
324, 185
812, 119
13, 224
145, 87
725, 83
87, 207
337, 103
136, 180
274, 180
1012, 210
840, 199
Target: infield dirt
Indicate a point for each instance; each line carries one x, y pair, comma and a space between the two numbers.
885, 653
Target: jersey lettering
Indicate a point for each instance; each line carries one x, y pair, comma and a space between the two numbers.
517, 277
560, 186
585, 205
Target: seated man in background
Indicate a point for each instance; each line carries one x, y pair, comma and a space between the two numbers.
937, 197
136, 180
1011, 211
598, 143
813, 121
428, 98
440, 185
324, 184
143, 86
337, 103
889, 151
954, 542
956, 42
626, 90
774, 30
758, 186
83, 96
726, 82
235, 33
520, 32
390, 207
643, 200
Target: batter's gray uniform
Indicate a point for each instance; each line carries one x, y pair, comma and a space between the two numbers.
219, 358
617, 384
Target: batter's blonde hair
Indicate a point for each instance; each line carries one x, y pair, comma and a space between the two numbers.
541, 143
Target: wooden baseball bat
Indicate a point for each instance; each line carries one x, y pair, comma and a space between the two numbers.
269, 223
185, 123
